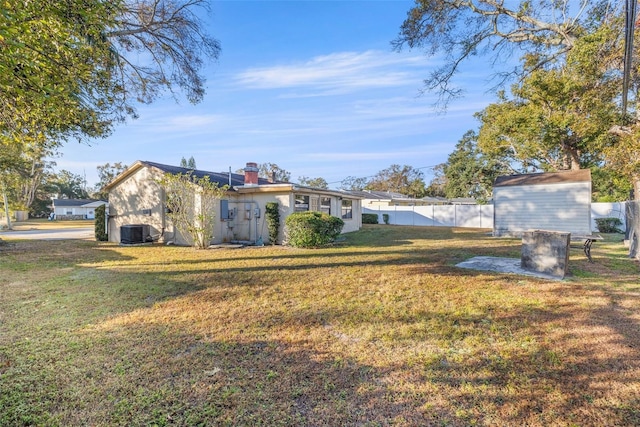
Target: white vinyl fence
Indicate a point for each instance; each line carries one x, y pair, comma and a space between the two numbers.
474, 216
471, 216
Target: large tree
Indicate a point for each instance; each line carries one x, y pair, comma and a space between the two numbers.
107, 173
469, 172
313, 182
540, 31
559, 118
273, 172
541, 34
399, 179
67, 185
75, 68
353, 183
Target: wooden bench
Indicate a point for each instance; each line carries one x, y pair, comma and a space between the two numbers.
587, 241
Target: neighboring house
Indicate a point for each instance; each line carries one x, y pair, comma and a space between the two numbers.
559, 201
136, 197
76, 208
376, 199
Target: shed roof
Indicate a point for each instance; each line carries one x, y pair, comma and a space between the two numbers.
563, 177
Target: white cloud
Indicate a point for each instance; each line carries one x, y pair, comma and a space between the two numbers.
191, 121
338, 73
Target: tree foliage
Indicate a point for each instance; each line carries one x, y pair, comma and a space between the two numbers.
436, 187
107, 172
399, 179
56, 70
469, 172
352, 183
67, 185
100, 224
313, 182
272, 215
191, 205
558, 119
172, 36
73, 69
457, 30
188, 164
273, 172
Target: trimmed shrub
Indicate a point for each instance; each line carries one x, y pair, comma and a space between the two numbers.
608, 225
312, 229
368, 218
272, 213
101, 235
385, 218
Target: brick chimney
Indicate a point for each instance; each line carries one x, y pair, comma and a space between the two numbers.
251, 174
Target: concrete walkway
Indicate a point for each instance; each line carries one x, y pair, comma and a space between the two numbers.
82, 233
501, 265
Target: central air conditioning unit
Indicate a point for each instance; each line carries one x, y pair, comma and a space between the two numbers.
135, 233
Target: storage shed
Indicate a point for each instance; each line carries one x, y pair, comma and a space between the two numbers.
558, 201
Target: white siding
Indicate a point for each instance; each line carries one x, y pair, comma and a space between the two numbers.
556, 207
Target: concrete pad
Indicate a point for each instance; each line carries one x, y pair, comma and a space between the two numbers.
502, 265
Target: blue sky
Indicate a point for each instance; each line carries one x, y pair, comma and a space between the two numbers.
313, 86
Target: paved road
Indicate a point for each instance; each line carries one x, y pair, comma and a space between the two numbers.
58, 234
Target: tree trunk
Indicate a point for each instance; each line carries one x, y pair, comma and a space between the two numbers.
5, 199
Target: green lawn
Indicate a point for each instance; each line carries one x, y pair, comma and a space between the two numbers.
379, 330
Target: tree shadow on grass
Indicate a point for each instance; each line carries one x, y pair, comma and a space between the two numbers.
155, 374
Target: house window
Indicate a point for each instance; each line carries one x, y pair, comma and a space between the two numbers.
325, 205
69, 212
347, 209
301, 203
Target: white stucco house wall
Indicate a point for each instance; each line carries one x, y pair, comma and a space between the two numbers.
558, 201
136, 197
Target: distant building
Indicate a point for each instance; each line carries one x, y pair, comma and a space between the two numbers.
66, 209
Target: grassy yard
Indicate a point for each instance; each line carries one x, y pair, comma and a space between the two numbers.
380, 330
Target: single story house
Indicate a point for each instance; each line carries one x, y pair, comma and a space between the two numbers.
558, 201
136, 197
76, 208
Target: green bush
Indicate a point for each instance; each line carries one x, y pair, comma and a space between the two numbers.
101, 235
312, 229
369, 218
272, 213
608, 225
385, 218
